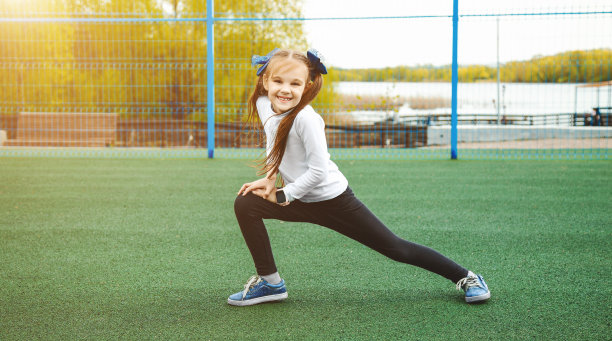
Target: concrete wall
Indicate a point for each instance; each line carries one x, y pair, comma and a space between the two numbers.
440, 135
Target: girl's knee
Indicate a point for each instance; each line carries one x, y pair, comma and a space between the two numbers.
400, 250
242, 204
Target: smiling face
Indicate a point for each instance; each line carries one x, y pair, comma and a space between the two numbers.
285, 83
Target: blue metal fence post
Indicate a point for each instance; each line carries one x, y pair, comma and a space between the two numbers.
454, 82
210, 76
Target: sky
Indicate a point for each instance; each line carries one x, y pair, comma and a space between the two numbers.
422, 41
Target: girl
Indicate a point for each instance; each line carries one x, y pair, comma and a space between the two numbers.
315, 190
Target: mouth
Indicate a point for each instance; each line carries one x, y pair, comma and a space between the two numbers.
283, 99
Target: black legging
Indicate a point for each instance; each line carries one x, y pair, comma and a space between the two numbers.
344, 214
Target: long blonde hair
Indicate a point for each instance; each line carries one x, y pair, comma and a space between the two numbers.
313, 85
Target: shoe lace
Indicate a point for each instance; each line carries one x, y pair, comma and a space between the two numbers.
250, 283
467, 282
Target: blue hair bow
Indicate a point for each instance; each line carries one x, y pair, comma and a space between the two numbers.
313, 55
315, 58
263, 60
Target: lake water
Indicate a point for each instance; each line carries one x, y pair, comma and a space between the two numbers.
480, 98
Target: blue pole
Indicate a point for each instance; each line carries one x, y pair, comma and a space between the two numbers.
210, 73
454, 82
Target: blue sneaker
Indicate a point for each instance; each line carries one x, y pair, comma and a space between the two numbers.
257, 290
476, 290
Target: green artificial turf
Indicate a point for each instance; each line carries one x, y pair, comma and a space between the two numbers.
149, 248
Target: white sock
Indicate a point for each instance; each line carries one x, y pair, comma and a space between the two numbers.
272, 278
471, 274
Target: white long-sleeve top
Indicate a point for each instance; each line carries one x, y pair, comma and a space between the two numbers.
307, 170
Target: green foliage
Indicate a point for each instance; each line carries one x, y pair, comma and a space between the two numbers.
138, 69
328, 100
573, 67
158, 69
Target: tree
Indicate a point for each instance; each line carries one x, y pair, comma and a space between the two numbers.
144, 68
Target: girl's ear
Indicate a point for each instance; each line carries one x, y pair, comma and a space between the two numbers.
264, 81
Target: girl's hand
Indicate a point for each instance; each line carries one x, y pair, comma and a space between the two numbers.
266, 186
271, 197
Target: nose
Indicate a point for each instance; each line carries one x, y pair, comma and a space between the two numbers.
285, 88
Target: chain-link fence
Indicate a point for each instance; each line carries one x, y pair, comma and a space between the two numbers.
122, 78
